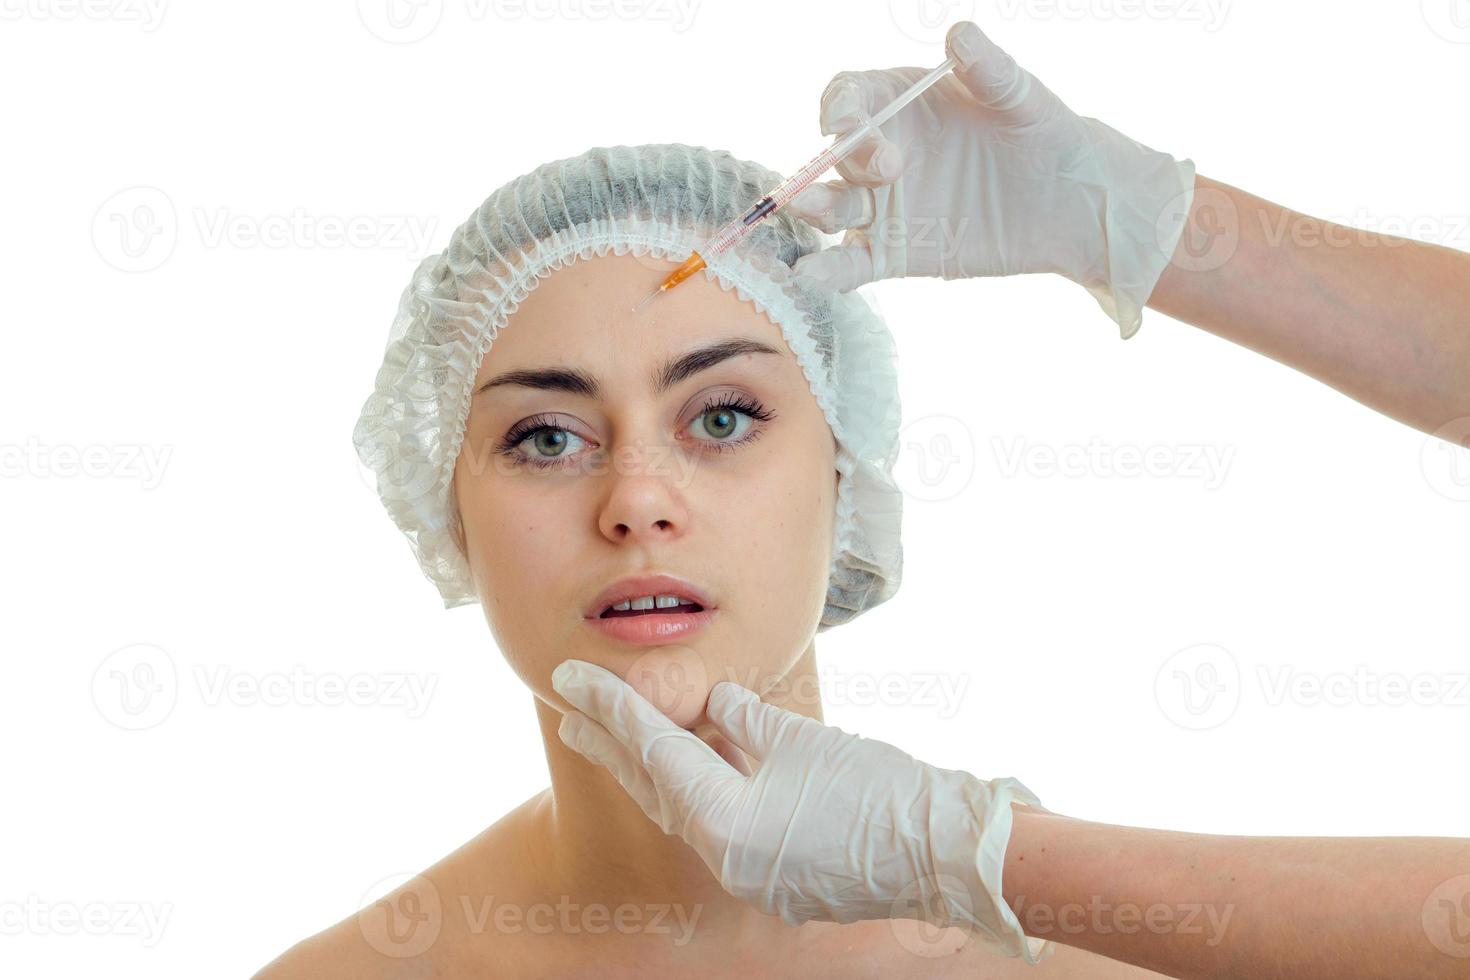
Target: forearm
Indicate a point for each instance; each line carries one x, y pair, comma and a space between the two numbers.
1200, 905
1384, 320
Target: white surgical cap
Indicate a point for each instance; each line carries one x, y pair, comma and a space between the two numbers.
663, 201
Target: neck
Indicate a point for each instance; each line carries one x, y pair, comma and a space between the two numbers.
602, 848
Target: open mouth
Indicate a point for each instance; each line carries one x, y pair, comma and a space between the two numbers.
651, 605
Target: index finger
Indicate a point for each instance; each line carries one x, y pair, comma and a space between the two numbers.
848, 102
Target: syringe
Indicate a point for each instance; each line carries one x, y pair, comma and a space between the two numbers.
739, 227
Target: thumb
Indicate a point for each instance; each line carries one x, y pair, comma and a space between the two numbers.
991, 75
726, 750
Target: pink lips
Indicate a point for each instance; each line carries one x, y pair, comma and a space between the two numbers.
650, 628
653, 628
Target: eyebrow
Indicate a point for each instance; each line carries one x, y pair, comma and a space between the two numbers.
677, 369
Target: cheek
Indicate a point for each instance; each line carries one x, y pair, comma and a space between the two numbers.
803, 504
777, 517
778, 542
516, 542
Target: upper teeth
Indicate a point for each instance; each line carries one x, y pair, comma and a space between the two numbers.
650, 601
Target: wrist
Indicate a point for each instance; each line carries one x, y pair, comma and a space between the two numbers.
1025, 859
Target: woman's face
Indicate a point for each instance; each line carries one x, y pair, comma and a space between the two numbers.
586, 460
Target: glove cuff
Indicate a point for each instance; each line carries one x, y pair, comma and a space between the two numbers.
969, 870
1146, 196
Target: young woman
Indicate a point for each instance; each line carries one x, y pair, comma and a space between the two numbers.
684, 495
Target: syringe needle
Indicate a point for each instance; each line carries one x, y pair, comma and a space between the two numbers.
648, 299
738, 227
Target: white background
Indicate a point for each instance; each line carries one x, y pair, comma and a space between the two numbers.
235, 349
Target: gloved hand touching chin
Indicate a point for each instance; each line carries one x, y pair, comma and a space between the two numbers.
826, 825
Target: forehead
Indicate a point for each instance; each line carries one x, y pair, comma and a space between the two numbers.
583, 312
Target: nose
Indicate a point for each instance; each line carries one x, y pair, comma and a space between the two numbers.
644, 504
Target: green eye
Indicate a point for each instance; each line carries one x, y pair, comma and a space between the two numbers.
548, 442
722, 425
720, 422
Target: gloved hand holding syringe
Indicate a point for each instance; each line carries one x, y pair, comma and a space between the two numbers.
738, 228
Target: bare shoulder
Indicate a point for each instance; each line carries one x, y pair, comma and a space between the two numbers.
409, 932
341, 951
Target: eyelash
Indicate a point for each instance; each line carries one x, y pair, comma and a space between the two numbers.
537, 423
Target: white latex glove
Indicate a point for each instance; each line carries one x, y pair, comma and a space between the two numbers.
990, 174
827, 825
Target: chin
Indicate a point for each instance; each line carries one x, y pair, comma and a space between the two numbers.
675, 679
